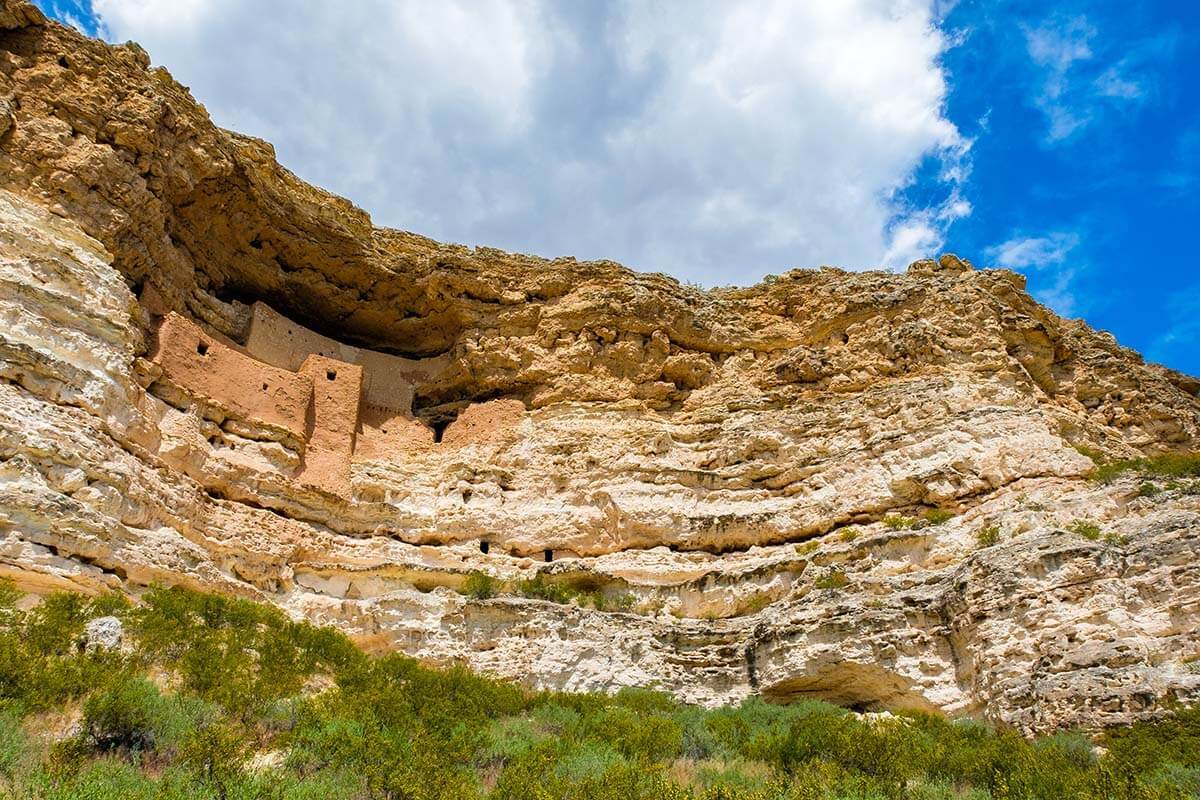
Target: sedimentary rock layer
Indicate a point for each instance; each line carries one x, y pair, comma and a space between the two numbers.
728, 469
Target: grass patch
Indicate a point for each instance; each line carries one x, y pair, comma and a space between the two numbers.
1085, 528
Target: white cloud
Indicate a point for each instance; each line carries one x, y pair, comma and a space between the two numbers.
1076, 76
715, 141
1050, 257
1112, 83
922, 233
1056, 47
1024, 252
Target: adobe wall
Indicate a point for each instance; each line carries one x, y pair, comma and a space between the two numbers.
383, 433
336, 388
241, 387
484, 422
324, 405
388, 381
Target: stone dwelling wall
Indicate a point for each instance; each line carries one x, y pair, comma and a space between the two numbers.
388, 381
484, 422
220, 376
323, 405
333, 420
383, 432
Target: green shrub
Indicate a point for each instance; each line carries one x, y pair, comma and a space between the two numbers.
807, 548
389, 727
988, 535
320, 742
896, 522
1145, 747
1147, 489
622, 601
217, 753
848, 534
1170, 465
539, 587
331, 785
480, 586
937, 516
104, 780
1173, 779
1085, 528
510, 737
1095, 455
132, 716
834, 579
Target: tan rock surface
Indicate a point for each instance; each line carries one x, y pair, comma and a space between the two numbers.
717, 464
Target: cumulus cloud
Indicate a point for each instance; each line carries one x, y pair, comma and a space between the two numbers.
714, 141
1049, 254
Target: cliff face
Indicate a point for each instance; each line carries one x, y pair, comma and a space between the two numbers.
214, 374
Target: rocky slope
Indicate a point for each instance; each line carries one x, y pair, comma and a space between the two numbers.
730, 470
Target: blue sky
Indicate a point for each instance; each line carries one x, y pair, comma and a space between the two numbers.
720, 142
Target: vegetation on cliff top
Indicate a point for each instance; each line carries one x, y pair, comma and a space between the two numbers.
215, 697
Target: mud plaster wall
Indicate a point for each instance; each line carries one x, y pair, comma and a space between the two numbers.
484, 422
323, 405
388, 381
333, 420
236, 384
383, 433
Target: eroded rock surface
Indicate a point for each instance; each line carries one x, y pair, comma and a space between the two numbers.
215, 375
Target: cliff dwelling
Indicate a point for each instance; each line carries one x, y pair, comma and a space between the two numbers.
326, 400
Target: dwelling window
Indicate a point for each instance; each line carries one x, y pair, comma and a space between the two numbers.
202, 348
264, 387
548, 554
484, 546
330, 375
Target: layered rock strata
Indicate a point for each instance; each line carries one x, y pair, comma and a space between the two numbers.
726, 473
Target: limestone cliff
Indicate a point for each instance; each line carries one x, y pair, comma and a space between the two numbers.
214, 374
